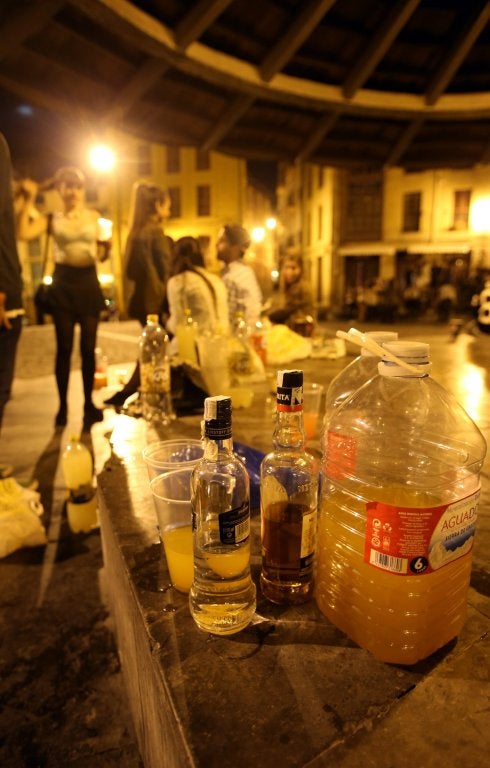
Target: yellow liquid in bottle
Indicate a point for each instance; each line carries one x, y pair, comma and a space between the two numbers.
177, 544
229, 564
399, 619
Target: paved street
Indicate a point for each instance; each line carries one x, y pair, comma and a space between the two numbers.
61, 691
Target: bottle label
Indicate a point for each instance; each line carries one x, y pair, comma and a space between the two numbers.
234, 525
82, 493
340, 456
410, 541
308, 537
155, 378
289, 399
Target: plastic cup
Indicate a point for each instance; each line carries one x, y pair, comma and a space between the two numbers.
172, 496
166, 455
312, 401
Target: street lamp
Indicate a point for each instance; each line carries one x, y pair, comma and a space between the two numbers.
102, 158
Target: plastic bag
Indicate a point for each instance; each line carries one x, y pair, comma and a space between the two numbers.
20, 509
284, 345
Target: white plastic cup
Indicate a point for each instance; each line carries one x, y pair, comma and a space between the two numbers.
166, 455
172, 496
312, 400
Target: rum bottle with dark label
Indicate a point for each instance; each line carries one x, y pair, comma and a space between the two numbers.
288, 501
222, 596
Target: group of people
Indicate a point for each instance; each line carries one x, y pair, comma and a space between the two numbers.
168, 278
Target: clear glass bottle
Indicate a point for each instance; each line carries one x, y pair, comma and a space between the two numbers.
288, 501
398, 510
222, 596
186, 332
77, 466
155, 389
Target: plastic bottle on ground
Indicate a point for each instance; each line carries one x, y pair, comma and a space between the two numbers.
77, 466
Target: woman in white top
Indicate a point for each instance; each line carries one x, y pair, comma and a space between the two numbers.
196, 289
76, 296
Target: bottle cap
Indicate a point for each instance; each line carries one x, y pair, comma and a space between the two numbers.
289, 395
415, 353
152, 318
291, 379
217, 417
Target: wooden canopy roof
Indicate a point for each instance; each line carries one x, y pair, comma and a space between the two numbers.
353, 83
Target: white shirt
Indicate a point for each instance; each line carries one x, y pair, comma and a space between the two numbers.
191, 291
75, 237
243, 291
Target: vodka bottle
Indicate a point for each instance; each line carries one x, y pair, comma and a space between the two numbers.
222, 596
288, 501
398, 511
155, 373
77, 466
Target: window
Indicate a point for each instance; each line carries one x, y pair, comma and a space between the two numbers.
320, 177
202, 160
203, 200
144, 160
173, 159
362, 214
175, 207
411, 212
462, 199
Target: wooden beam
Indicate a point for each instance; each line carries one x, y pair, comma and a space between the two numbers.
26, 22
404, 141
141, 82
379, 45
457, 53
294, 38
232, 114
43, 98
324, 125
199, 18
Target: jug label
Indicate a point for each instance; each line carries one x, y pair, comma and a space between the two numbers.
411, 541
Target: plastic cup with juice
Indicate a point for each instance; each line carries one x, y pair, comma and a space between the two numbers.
172, 497
312, 399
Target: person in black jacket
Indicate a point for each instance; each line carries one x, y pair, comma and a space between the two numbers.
11, 310
147, 255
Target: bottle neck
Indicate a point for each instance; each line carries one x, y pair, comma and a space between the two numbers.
213, 447
289, 431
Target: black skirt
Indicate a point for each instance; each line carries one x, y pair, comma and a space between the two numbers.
76, 290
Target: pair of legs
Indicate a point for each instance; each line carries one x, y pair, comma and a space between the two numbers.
64, 323
8, 348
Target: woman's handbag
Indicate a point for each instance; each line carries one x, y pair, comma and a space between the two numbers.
43, 294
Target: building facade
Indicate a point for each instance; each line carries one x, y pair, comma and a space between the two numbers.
391, 230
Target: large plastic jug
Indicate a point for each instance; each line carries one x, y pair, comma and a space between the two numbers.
398, 509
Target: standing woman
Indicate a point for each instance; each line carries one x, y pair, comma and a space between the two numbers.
76, 296
148, 255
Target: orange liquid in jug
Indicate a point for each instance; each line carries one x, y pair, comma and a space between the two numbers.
399, 619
